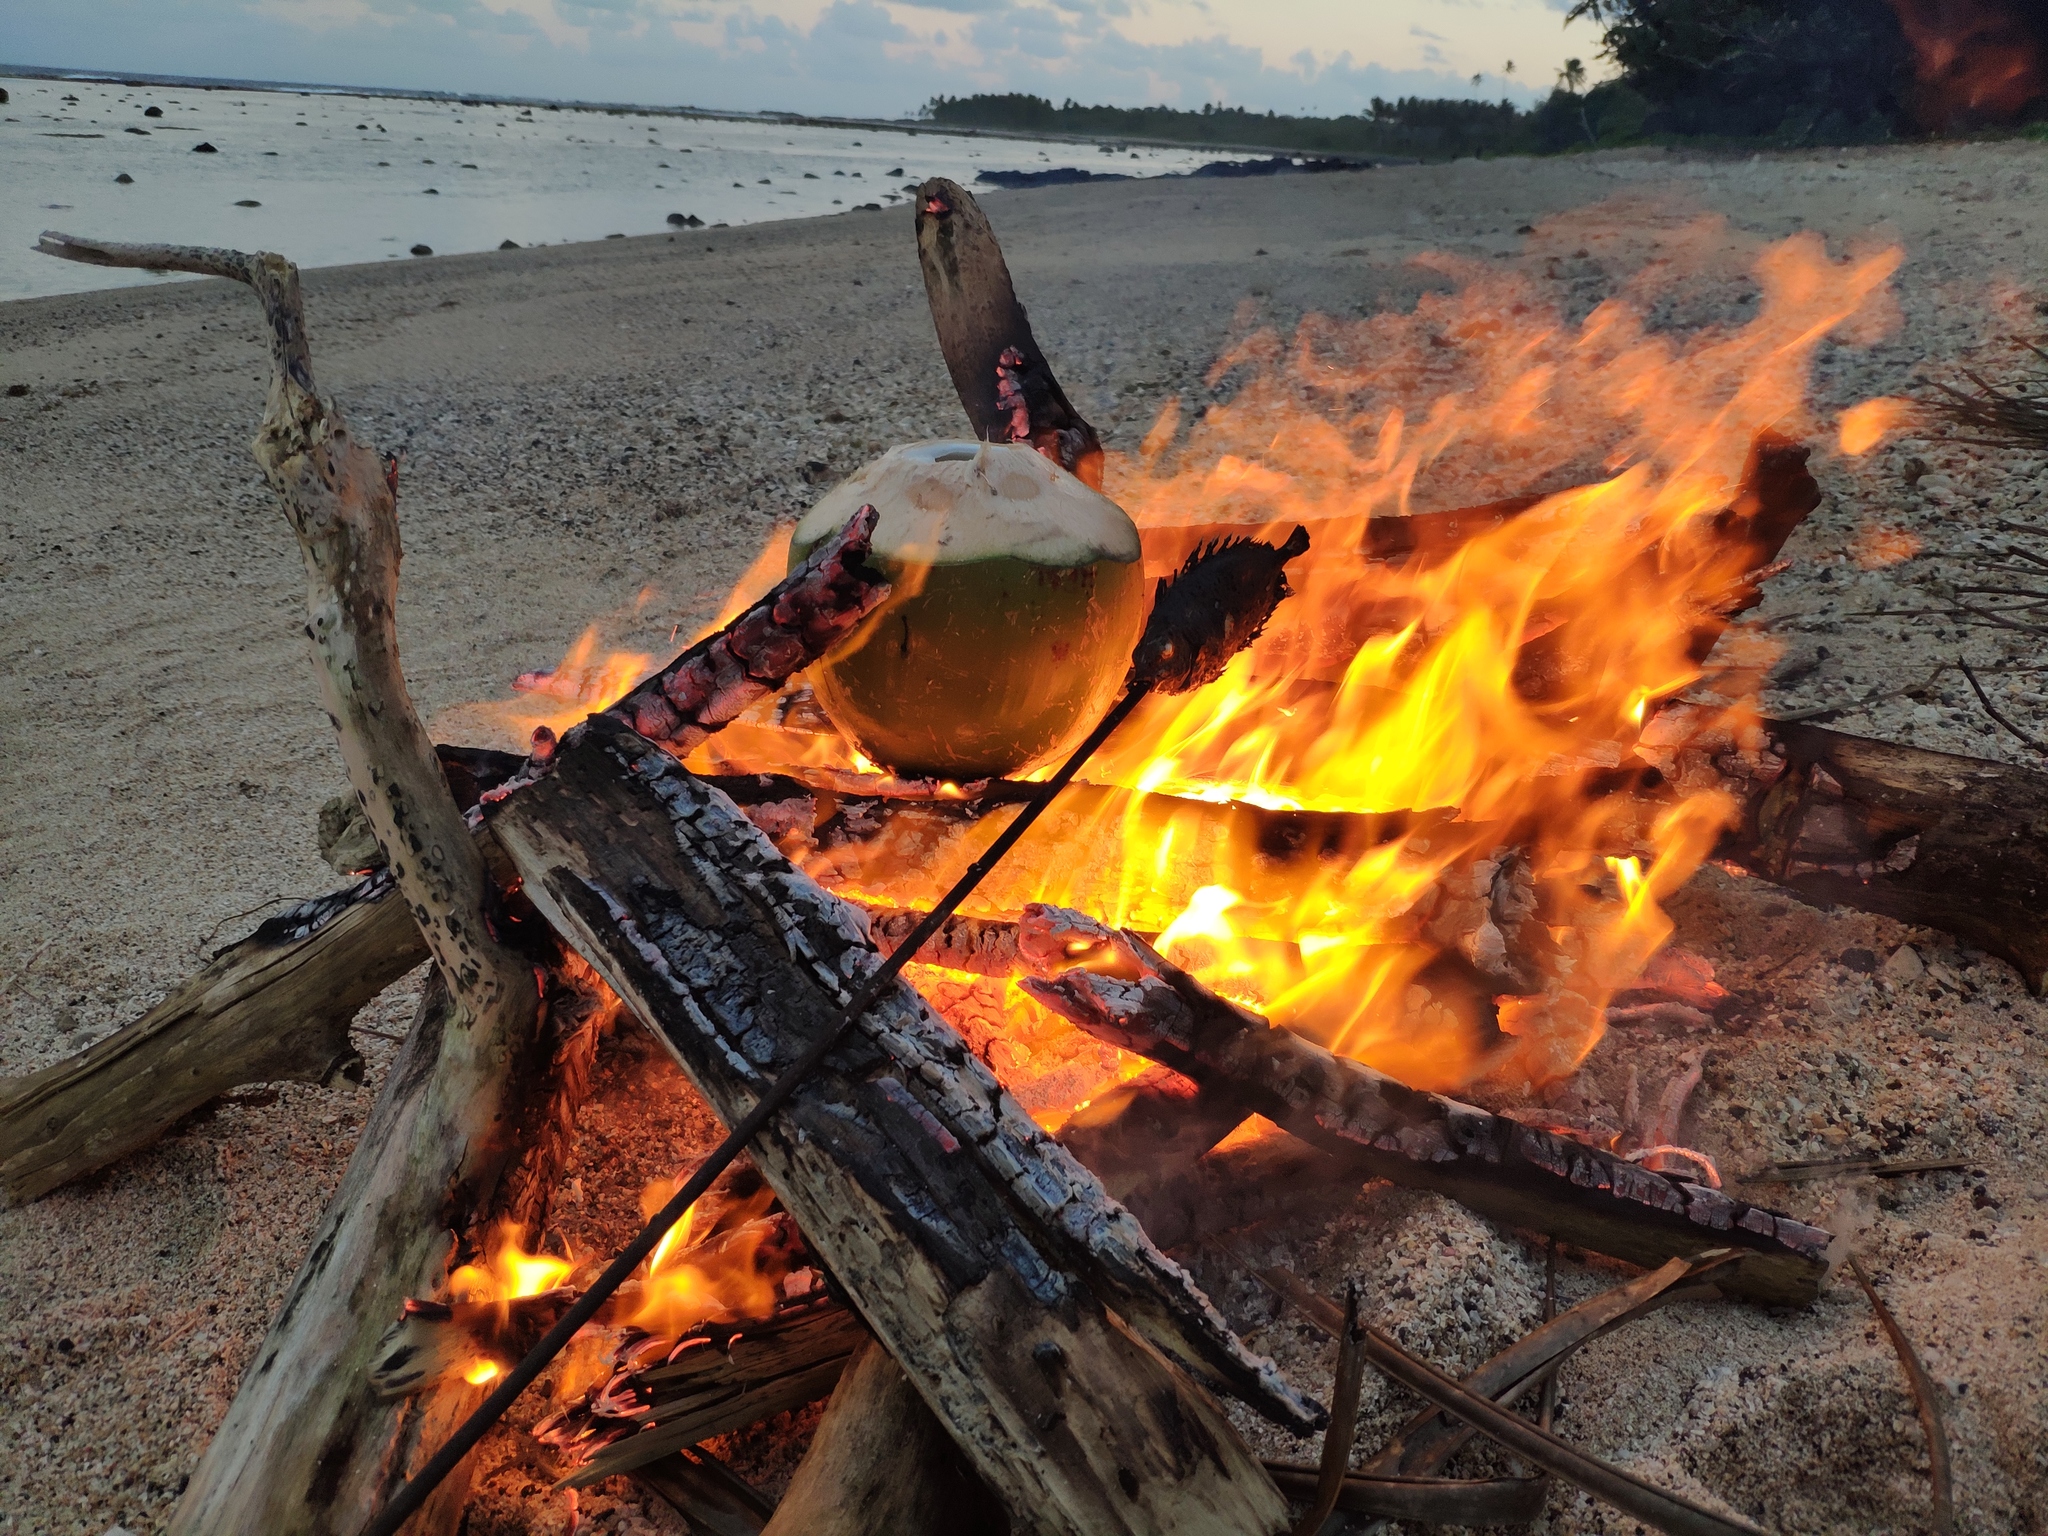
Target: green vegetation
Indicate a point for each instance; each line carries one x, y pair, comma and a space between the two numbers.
1413, 126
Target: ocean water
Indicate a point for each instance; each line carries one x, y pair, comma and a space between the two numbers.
326, 178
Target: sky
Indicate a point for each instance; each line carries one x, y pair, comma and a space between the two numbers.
881, 58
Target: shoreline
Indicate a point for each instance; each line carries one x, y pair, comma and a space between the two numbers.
911, 127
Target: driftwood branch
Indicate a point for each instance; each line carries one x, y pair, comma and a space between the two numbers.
275, 1007
985, 1259
305, 1445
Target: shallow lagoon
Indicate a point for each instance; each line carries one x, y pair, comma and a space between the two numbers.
344, 178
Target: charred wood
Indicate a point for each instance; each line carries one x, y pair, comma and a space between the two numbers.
712, 1499
999, 371
713, 1380
1384, 1129
1954, 843
982, 1256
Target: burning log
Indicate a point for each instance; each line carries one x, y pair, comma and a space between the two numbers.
882, 1465
715, 1379
1001, 375
1384, 1129
985, 1259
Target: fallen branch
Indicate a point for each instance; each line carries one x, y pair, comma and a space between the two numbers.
274, 1008
305, 1445
1656, 1507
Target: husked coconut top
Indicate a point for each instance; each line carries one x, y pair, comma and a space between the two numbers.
948, 503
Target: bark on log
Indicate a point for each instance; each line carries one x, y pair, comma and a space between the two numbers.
881, 1465
305, 1446
1383, 1129
1001, 375
983, 1257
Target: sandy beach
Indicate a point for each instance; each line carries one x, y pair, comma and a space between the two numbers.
605, 433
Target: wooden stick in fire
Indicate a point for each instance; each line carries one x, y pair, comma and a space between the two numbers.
1215, 607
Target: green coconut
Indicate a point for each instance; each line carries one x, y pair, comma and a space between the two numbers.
1019, 593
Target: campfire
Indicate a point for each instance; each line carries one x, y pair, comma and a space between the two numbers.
1433, 706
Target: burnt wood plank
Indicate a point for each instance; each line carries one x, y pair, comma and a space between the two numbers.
1029, 1309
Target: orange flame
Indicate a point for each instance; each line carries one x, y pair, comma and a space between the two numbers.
732, 1272
1466, 699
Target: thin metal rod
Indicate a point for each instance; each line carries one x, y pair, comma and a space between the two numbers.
408, 1499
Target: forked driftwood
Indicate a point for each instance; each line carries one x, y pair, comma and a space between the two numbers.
1383, 1129
882, 1465
306, 1446
1028, 1309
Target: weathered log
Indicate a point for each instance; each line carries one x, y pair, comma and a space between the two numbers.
274, 1008
1001, 375
305, 1445
1384, 1129
882, 1465
983, 1257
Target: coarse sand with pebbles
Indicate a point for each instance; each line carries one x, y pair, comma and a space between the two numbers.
606, 433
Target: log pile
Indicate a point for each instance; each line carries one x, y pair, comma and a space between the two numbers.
1004, 1344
